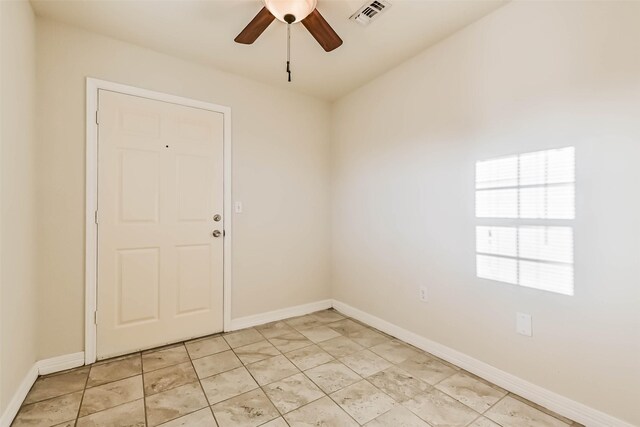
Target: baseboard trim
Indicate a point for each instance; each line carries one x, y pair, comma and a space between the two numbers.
18, 397
60, 363
41, 367
576, 411
275, 315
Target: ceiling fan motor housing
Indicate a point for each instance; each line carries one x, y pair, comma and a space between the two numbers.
298, 9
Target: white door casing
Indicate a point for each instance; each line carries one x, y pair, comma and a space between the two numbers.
161, 175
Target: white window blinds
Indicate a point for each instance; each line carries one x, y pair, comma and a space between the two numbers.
526, 204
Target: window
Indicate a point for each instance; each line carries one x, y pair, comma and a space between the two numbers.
525, 206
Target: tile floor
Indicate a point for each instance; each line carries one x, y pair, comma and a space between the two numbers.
322, 369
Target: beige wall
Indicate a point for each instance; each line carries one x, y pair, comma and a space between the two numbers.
18, 315
531, 75
528, 77
280, 173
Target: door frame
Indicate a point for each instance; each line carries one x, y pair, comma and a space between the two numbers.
91, 198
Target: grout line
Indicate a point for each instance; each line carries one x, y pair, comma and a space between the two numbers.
144, 392
113, 381
202, 387
346, 412
173, 388
108, 409
86, 381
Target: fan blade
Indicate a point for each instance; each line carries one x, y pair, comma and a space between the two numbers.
322, 31
256, 27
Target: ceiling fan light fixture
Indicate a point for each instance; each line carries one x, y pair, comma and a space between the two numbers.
300, 9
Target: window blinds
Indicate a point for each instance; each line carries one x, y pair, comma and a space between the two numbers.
527, 204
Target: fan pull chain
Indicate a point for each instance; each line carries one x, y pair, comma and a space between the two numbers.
289, 51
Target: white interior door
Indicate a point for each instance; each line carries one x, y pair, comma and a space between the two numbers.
160, 184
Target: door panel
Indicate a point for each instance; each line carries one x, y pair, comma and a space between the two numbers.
194, 199
138, 285
194, 278
160, 182
139, 189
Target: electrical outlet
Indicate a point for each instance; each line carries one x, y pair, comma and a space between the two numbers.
523, 324
238, 207
423, 294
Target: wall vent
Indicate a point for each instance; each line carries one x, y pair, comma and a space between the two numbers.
370, 11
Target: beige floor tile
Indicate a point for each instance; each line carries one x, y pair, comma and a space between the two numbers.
216, 363
323, 412
332, 376
318, 334
49, 412
340, 347
328, 316
365, 363
345, 326
278, 422
127, 415
57, 385
273, 369
164, 357
304, 322
168, 378
363, 401
367, 337
427, 368
309, 357
395, 351
174, 403
291, 341
440, 410
543, 409
115, 369
274, 329
444, 362
247, 410
112, 394
256, 352
514, 413
483, 422
201, 418
292, 392
243, 337
228, 384
206, 346
476, 394
398, 417
373, 378
399, 384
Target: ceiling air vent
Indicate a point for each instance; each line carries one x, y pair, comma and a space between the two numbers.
370, 11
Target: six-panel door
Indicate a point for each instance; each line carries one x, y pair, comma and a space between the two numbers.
160, 183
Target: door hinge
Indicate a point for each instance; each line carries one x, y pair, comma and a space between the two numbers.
97, 117
96, 217
95, 317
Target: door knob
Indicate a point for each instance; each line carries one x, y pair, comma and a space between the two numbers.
217, 233
217, 217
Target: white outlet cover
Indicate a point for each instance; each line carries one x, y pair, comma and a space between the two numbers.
523, 324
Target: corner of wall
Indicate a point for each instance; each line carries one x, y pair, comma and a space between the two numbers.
18, 283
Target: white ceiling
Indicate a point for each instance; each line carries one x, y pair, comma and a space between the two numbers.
203, 31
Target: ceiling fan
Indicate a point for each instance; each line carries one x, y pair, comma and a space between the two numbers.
291, 12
